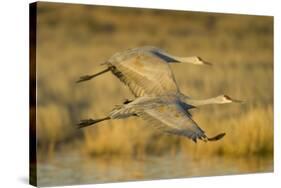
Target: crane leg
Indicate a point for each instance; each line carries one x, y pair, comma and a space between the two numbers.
88, 122
89, 77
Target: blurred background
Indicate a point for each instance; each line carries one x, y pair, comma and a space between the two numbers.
73, 40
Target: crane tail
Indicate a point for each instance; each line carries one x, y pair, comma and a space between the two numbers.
88, 122
217, 137
89, 77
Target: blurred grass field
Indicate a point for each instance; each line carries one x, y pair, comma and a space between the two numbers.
72, 40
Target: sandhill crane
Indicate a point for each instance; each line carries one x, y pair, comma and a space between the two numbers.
167, 112
147, 73
145, 70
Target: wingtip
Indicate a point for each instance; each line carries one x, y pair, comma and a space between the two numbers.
217, 137
194, 140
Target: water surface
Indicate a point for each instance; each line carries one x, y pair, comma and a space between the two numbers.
66, 169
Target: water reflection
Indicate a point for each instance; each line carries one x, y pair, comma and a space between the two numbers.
66, 169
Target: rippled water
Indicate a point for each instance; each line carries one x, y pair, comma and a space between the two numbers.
66, 169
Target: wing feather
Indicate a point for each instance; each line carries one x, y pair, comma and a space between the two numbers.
172, 118
165, 113
145, 74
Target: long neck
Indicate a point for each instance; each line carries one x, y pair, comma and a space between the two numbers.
191, 59
196, 102
186, 59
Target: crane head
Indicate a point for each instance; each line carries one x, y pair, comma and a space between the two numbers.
198, 60
223, 99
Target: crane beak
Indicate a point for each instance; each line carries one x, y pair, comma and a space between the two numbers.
207, 63
237, 101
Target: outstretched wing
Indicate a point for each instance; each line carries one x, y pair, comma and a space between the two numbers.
145, 74
172, 118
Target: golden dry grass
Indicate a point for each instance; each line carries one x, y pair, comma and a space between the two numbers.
74, 39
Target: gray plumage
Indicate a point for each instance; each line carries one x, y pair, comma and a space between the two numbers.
147, 73
165, 112
145, 70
